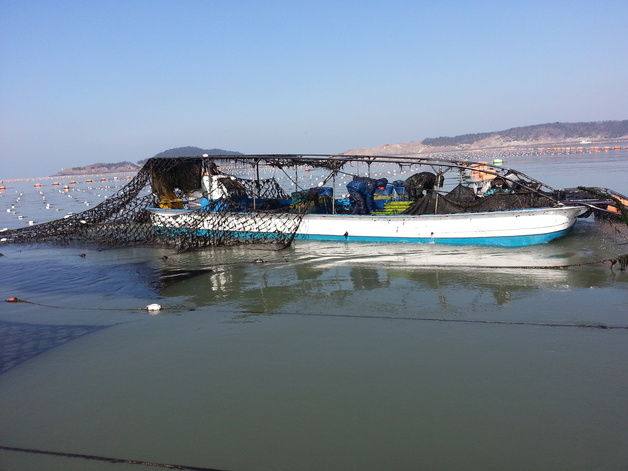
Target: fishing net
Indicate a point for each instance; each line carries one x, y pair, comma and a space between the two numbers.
463, 200
249, 211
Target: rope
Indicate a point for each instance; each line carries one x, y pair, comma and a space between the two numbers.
356, 316
14, 299
461, 321
106, 459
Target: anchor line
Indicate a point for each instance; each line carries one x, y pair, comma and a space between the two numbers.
107, 459
449, 320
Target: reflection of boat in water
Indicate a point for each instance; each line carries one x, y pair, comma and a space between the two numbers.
345, 274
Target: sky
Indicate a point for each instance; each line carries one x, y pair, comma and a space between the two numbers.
115, 80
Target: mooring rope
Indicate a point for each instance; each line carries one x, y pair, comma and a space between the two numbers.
449, 320
14, 299
355, 316
107, 459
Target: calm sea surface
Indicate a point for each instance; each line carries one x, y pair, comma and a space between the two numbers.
325, 356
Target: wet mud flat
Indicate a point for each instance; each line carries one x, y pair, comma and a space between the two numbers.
322, 355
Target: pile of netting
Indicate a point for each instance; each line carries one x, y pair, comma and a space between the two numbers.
244, 214
462, 199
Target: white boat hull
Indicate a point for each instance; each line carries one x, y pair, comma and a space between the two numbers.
512, 228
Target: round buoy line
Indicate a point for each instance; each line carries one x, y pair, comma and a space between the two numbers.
155, 308
151, 308
107, 459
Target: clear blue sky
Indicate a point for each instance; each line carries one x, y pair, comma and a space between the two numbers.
111, 80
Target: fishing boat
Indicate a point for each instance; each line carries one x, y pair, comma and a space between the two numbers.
486, 205
200, 201
509, 228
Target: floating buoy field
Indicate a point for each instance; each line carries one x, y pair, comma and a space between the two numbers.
20, 206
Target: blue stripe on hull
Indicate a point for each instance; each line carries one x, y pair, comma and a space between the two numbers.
508, 241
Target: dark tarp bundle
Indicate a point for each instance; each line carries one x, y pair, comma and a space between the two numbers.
459, 200
463, 193
417, 183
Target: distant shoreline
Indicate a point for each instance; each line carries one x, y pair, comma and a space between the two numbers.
471, 154
566, 146
63, 177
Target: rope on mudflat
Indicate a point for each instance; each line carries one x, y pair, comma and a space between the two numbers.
106, 459
449, 320
150, 307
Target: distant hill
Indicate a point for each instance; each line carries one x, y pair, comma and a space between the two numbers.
99, 168
121, 167
190, 151
549, 133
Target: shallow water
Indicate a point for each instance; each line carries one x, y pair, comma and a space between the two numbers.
323, 355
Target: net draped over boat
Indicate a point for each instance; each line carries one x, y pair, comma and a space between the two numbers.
123, 219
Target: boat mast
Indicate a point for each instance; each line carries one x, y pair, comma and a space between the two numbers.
333, 193
257, 185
